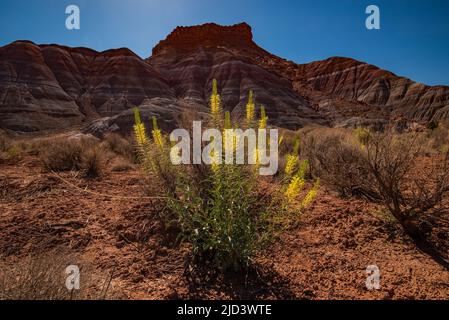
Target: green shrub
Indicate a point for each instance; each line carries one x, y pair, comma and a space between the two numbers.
14, 152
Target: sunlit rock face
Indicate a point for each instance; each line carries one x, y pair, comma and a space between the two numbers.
357, 81
191, 57
47, 87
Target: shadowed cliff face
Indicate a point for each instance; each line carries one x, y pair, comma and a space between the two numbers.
51, 87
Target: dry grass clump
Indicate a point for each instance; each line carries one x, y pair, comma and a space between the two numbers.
120, 146
10, 150
73, 154
62, 155
43, 277
93, 161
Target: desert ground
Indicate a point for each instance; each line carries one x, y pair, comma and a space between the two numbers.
107, 226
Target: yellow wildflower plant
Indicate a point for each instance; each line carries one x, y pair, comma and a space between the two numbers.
311, 195
157, 135
291, 164
263, 118
227, 122
294, 188
215, 102
139, 129
250, 108
297, 182
292, 159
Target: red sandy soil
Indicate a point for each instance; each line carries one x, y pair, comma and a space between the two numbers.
323, 257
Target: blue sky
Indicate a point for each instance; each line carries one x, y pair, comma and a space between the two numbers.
413, 40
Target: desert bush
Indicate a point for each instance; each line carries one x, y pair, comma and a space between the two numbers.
438, 137
223, 211
120, 146
338, 158
93, 161
384, 168
73, 154
62, 155
407, 187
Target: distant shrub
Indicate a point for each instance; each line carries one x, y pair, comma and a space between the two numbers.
337, 158
93, 161
432, 125
120, 146
73, 154
362, 135
62, 155
384, 169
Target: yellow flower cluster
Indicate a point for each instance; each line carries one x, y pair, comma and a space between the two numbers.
228, 125
257, 156
139, 129
157, 135
215, 103
294, 188
297, 182
250, 108
290, 166
263, 118
311, 195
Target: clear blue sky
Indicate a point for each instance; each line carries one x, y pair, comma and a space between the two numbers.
413, 40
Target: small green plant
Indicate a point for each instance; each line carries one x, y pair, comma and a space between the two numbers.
62, 155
